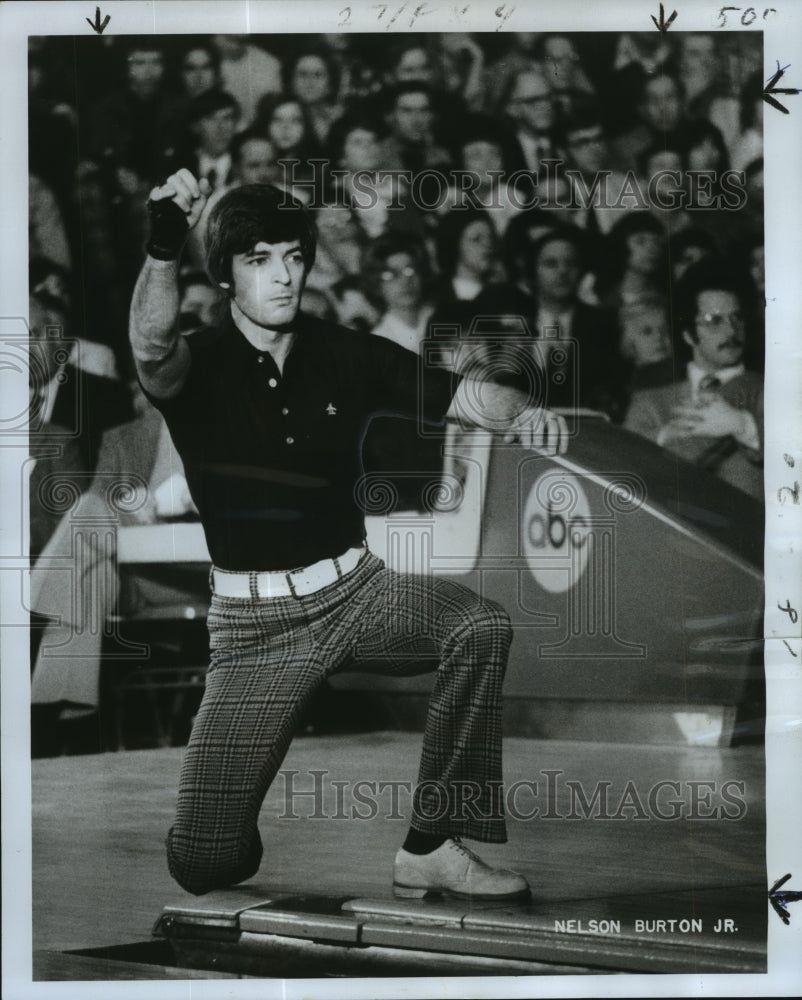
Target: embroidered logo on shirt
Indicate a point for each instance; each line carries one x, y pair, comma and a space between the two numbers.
331, 409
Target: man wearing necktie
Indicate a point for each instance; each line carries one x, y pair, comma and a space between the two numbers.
714, 418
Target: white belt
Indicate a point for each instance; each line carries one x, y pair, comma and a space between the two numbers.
297, 583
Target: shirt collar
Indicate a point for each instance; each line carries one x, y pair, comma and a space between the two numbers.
724, 375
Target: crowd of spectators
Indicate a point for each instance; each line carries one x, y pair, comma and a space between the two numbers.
450, 175
499, 184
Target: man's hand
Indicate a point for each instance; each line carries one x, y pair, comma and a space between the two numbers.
539, 430
711, 417
189, 194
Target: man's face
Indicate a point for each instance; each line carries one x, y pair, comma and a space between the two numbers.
661, 107
256, 162
530, 102
361, 150
401, 282
198, 72
480, 157
145, 71
557, 270
587, 148
215, 131
719, 328
286, 127
412, 117
268, 282
310, 81
648, 336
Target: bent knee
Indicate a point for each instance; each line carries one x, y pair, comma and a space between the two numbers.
201, 871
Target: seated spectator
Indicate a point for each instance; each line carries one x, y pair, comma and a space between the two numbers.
199, 69
747, 146
572, 345
645, 343
253, 161
707, 97
76, 386
341, 244
247, 72
660, 120
213, 119
139, 479
284, 121
714, 418
355, 148
129, 128
200, 301
517, 56
687, 248
703, 149
528, 105
311, 77
397, 277
467, 256
634, 263
587, 152
47, 236
486, 155
410, 118
563, 68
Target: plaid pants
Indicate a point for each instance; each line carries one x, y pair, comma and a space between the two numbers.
268, 657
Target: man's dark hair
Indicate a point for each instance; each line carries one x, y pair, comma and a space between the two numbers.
351, 121
709, 275
252, 214
210, 102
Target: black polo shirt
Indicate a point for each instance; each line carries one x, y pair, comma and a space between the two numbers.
272, 459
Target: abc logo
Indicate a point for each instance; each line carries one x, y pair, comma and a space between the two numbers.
555, 530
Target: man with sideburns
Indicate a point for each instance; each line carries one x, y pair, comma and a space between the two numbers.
268, 409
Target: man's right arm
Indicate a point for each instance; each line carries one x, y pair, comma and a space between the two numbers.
161, 354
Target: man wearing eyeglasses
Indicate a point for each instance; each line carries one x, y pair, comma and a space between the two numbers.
714, 418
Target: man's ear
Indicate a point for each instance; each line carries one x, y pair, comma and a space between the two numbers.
689, 340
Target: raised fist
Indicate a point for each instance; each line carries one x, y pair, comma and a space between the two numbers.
185, 191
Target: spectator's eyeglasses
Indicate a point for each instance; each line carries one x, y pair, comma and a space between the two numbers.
716, 320
404, 272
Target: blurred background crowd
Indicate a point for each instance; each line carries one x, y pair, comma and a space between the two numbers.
111, 117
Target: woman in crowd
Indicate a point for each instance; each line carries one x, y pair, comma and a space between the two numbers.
467, 256
283, 119
632, 268
312, 78
398, 280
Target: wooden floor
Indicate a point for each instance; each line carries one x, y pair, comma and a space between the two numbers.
100, 878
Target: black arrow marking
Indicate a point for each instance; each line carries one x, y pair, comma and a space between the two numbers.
780, 900
662, 24
770, 89
97, 26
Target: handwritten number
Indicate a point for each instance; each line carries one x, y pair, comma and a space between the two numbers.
794, 493
791, 612
746, 20
723, 16
345, 14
